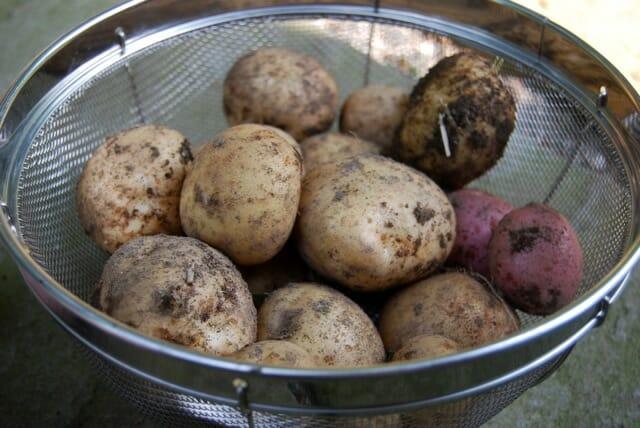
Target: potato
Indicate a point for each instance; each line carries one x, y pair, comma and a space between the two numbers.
535, 259
279, 87
275, 353
332, 146
374, 113
371, 223
131, 186
477, 215
242, 194
180, 290
426, 346
453, 305
463, 94
328, 325
285, 267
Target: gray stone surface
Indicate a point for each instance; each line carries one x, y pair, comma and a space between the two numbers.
45, 380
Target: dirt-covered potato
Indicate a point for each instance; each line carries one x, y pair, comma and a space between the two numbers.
464, 95
279, 87
275, 353
371, 223
453, 305
477, 215
180, 290
536, 259
328, 325
131, 186
426, 346
283, 268
374, 113
242, 193
333, 146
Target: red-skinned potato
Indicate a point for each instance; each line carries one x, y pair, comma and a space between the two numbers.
477, 215
536, 260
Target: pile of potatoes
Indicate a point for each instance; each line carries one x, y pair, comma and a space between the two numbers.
340, 238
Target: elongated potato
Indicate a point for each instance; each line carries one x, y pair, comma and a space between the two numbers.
275, 353
243, 191
453, 305
333, 146
131, 185
282, 88
371, 223
328, 325
180, 290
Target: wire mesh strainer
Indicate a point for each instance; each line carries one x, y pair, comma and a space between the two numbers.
165, 61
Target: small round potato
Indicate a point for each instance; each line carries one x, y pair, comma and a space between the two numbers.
131, 186
242, 193
464, 95
374, 113
278, 87
477, 215
536, 259
453, 305
426, 346
180, 290
275, 353
328, 325
333, 146
371, 223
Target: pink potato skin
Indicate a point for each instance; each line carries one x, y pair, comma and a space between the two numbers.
477, 215
535, 259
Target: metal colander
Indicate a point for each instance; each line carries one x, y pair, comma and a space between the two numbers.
165, 62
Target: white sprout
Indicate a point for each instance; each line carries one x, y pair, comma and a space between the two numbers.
445, 136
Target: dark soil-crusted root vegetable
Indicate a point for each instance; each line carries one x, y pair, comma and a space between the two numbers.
477, 215
536, 260
454, 305
463, 95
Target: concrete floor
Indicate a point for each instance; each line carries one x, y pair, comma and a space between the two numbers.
46, 382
